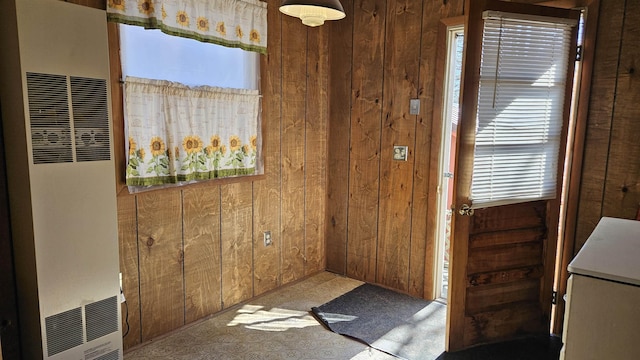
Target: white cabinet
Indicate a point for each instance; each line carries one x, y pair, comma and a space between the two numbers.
602, 316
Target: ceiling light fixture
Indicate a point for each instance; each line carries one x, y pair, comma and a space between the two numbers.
313, 12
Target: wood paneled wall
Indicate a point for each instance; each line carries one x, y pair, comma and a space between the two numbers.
382, 55
336, 100
611, 167
379, 211
192, 251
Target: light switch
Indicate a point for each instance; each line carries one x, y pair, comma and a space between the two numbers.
414, 106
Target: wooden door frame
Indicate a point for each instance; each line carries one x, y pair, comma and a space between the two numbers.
567, 250
567, 245
459, 245
436, 142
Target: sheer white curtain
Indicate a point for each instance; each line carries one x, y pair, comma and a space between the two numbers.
181, 134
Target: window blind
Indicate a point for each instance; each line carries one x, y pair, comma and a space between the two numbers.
520, 109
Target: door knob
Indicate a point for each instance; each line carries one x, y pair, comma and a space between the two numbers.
465, 210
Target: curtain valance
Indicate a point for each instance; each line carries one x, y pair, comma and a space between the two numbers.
232, 23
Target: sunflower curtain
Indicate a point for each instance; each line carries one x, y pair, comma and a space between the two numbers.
232, 23
180, 134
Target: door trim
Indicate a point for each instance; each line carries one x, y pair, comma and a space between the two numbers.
437, 140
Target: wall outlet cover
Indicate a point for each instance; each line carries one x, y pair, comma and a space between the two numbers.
400, 152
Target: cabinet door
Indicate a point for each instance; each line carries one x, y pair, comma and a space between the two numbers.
601, 320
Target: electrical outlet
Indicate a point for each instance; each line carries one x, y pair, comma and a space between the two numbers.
400, 152
267, 238
122, 298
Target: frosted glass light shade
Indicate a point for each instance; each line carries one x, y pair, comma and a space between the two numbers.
313, 12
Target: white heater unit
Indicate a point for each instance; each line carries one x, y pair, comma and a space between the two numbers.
55, 100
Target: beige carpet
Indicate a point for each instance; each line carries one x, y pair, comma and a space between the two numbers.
275, 326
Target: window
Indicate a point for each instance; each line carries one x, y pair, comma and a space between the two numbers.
520, 109
152, 54
191, 98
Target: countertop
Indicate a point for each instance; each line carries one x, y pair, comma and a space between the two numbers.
612, 252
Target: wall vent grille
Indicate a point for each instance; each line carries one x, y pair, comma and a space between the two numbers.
49, 115
90, 118
102, 318
64, 331
51, 121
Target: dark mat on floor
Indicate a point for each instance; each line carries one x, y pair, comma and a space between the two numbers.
398, 324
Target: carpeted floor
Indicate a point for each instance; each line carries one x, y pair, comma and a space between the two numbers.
279, 325
275, 326
398, 324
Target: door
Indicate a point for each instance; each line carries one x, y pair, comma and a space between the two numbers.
503, 246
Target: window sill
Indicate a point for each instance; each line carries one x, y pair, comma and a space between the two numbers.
123, 190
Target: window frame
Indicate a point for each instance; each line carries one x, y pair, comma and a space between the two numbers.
119, 139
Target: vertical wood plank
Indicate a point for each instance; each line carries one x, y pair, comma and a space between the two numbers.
339, 99
237, 243
161, 257
622, 185
596, 152
128, 248
294, 83
316, 154
401, 68
366, 98
266, 196
422, 264
201, 223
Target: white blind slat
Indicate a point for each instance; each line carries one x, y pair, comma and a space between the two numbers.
520, 110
